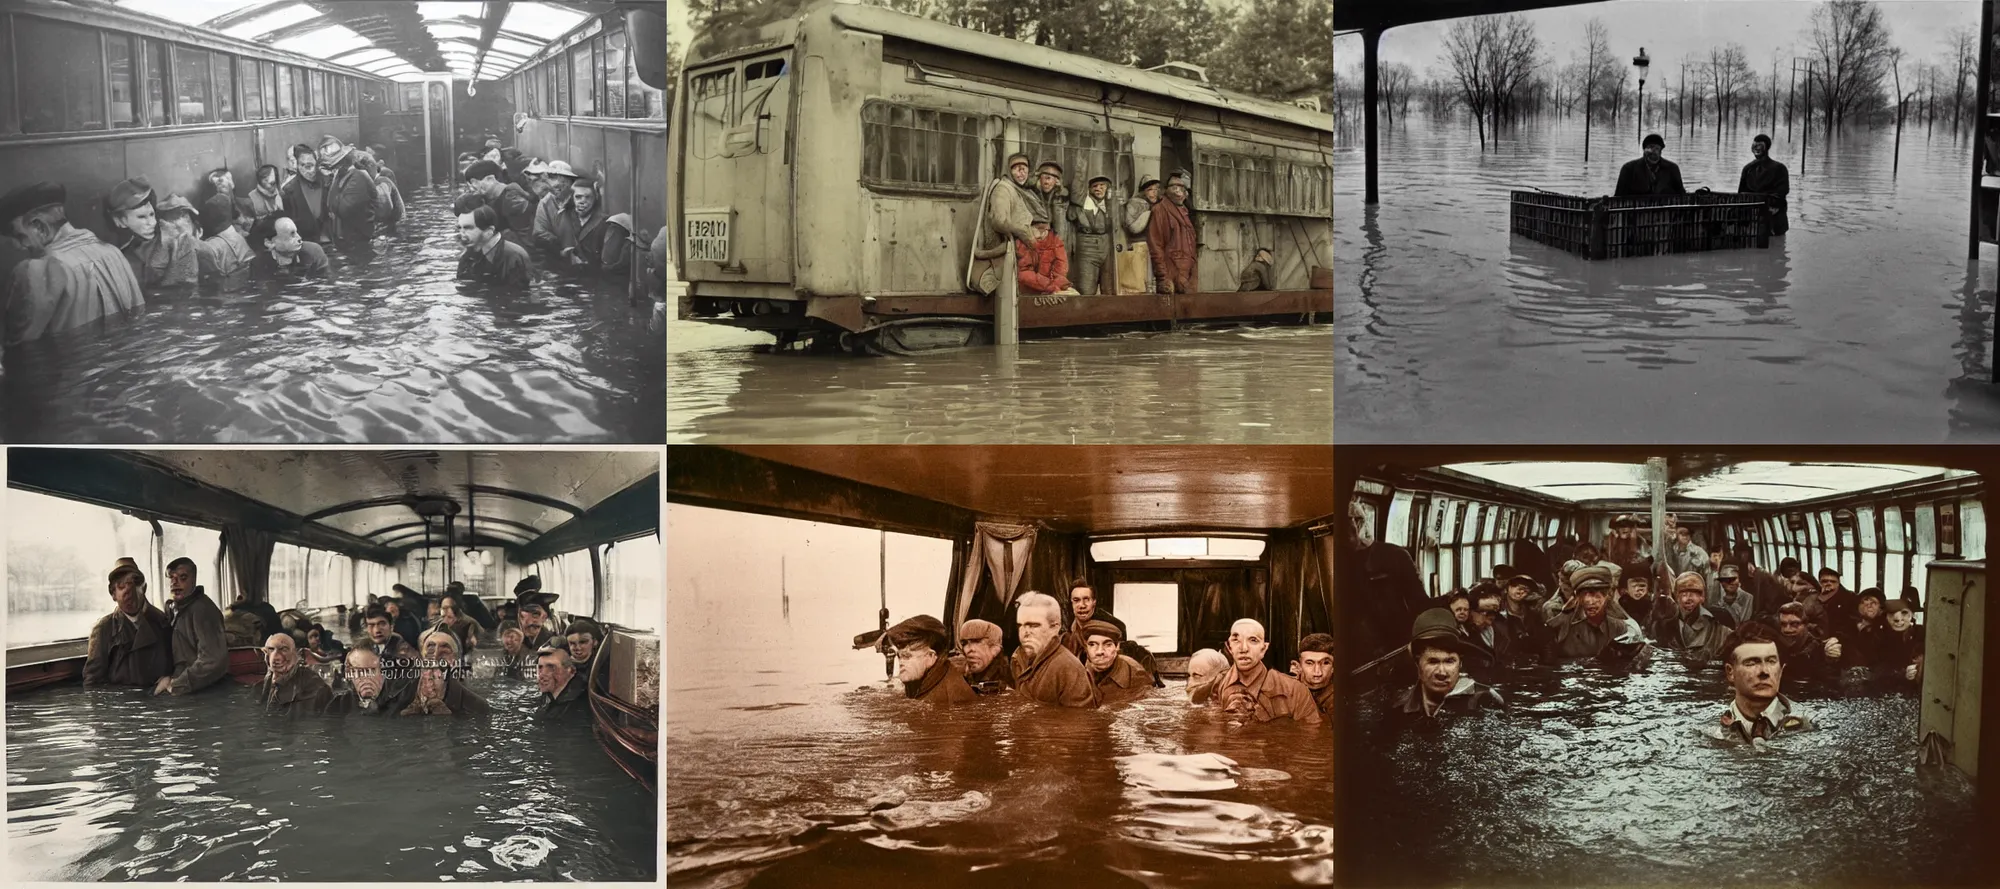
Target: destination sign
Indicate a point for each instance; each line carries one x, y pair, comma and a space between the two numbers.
706, 234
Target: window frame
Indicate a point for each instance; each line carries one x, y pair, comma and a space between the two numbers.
884, 185
87, 36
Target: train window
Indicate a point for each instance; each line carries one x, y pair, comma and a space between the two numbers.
1082, 153
7, 120
614, 74
301, 92
642, 101
1972, 530
635, 582
599, 77
316, 91
58, 553
922, 149
118, 61
559, 83
284, 88
62, 77
155, 66
1947, 530
1397, 530
268, 82
223, 69
285, 585
253, 91
1867, 543
1152, 614
583, 95
191, 86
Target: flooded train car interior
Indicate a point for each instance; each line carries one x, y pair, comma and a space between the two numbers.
800, 759
109, 778
1618, 759
357, 124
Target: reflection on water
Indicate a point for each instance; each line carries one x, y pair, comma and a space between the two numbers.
1239, 386
792, 780
111, 784
390, 349
1601, 778
1864, 324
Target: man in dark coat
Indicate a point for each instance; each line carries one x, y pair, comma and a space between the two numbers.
1316, 670
350, 195
489, 255
201, 655
474, 607
306, 197
1442, 690
389, 646
1807, 654
403, 609
1118, 677
563, 689
927, 675
1254, 692
1693, 627
1833, 608
1043, 669
1492, 637
1257, 275
289, 686
533, 606
510, 202
979, 643
367, 690
1767, 177
1651, 174
133, 644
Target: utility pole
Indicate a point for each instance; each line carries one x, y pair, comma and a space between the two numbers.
1805, 132
1684, 98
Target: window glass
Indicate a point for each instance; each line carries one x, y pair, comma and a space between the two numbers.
268, 82
635, 583
1152, 614
59, 554
316, 92
285, 585
286, 95
178, 540
599, 80
224, 74
531, 92
6, 71
1398, 530
480, 571
156, 83
1971, 530
919, 148
253, 96
191, 86
118, 60
1082, 153
301, 92
559, 84
583, 90
641, 101
615, 75
374, 578
62, 79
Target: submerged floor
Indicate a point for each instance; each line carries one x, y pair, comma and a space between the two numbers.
1865, 324
111, 784
1596, 777
390, 349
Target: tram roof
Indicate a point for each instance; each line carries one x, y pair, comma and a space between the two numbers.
534, 503
1385, 14
888, 22
1760, 482
393, 39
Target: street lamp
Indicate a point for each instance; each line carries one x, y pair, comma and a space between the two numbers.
1641, 62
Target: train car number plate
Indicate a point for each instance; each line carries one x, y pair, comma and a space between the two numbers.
707, 233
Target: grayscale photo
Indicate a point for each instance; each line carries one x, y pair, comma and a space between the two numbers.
1664, 667
267, 221
1000, 666
349, 666
947, 221
1647, 221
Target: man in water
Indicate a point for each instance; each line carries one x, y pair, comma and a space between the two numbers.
985, 670
160, 255
306, 196
927, 675
533, 607
1755, 667
368, 691
350, 195
440, 691
514, 653
1316, 670
1254, 692
488, 256
1769, 178
400, 606
1170, 238
288, 688
1521, 613
70, 278
583, 637
133, 644
573, 232
222, 252
473, 606
1741, 605
1810, 655
1693, 627
201, 656
282, 252
1043, 669
1833, 607
1442, 690
1492, 639
512, 207
1583, 626
1651, 174
393, 651
1204, 668
1682, 553
562, 689
1117, 677
1083, 609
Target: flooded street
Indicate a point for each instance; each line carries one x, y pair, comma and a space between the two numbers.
1865, 324
1267, 385
388, 350
1600, 778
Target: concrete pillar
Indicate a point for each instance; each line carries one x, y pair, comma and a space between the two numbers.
1007, 302
1370, 62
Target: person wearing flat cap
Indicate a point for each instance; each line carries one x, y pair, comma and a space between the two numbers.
71, 278
1651, 174
1054, 197
1006, 215
927, 675
533, 607
1582, 625
1118, 677
161, 255
1693, 627
979, 644
350, 195
1090, 224
1729, 593
1442, 689
509, 200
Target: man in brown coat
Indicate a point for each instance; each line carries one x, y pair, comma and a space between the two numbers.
927, 675
984, 667
131, 645
201, 657
1118, 678
289, 687
1254, 691
1171, 239
1043, 668
1316, 670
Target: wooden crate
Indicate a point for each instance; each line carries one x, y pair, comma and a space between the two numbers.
1612, 228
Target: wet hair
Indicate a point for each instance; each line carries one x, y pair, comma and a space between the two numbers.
183, 560
375, 611
1319, 642
1795, 609
483, 217
303, 149
1747, 633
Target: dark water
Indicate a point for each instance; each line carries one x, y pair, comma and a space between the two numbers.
111, 784
388, 349
802, 783
1239, 386
1601, 778
1865, 324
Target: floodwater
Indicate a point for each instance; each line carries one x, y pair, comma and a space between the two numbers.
809, 772
1865, 324
388, 349
1603, 778
1245, 385
112, 784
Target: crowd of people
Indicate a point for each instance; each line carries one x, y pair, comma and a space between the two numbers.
1088, 661
1621, 602
397, 664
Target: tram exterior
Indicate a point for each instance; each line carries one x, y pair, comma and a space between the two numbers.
828, 177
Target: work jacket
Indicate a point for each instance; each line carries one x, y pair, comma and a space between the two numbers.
568, 701
169, 259
301, 692
943, 683
1273, 695
308, 206
1123, 680
352, 196
129, 650
1638, 178
1408, 709
78, 280
1701, 636
200, 655
1044, 264
1054, 677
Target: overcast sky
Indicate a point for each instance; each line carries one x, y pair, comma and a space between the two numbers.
1671, 29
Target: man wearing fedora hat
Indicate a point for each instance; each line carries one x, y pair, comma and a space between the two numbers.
161, 256
350, 195
1090, 233
1442, 688
71, 278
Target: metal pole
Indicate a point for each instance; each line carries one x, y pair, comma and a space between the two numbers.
1006, 302
1656, 482
1984, 95
1791, 94
1805, 132
430, 162
1370, 61
882, 584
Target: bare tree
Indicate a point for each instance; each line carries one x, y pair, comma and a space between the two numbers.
1961, 53
1851, 44
1516, 56
1596, 49
1492, 59
1468, 43
1728, 70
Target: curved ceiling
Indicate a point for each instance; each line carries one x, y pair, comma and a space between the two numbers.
1752, 481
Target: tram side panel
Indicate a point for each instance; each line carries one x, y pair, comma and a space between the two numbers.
734, 210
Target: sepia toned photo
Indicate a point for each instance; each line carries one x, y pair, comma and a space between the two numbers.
1000, 666
252, 221
325, 665
935, 221
1652, 221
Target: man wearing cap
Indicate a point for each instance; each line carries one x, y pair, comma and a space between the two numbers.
1491, 636
1083, 608
1583, 625
1054, 197
1682, 554
1043, 669
1651, 174
1090, 235
1138, 213
1118, 677
1250, 690
1832, 607
1442, 689
1767, 177
1755, 666
1731, 595
1521, 613
223, 252
1170, 240
1807, 653
160, 255
1626, 546
979, 644
350, 195
70, 278
556, 208
927, 675
1693, 627
306, 196
509, 200
533, 606
1257, 275
575, 232
1899, 654
133, 645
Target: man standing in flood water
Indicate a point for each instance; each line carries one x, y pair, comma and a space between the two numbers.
286, 687
1043, 668
1083, 609
532, 605
1255, 692
1118, 677
1583, 626
161, 255
283, 253
1651, 174
562, 689
70, 278
488, 256
369, 692
133, 644
1755, 668
1442, 689
927, 675
1767, 177
1693, 627
200, 655
985, 670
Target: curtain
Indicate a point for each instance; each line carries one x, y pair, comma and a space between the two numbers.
1214, 598
250, 559
1300, 603
999, 553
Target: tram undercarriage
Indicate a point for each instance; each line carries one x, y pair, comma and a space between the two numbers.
908, 325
